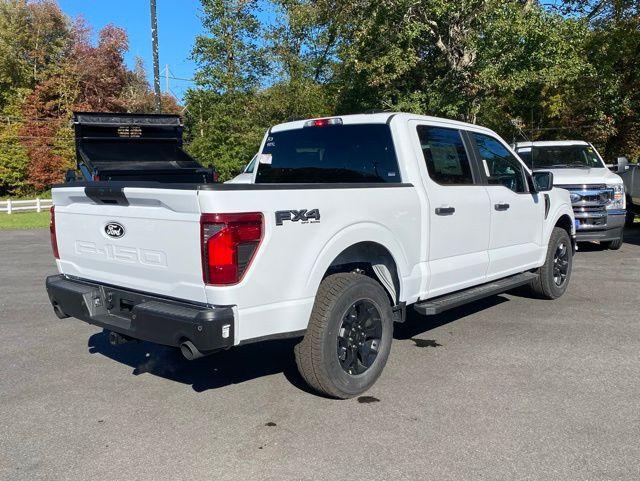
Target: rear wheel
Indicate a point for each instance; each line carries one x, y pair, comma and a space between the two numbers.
553, 276
348, 339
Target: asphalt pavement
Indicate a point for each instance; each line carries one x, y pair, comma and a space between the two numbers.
509, 388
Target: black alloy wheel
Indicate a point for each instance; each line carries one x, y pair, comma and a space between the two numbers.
359, 337
561, 264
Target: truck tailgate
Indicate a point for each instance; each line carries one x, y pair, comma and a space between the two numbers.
141, 238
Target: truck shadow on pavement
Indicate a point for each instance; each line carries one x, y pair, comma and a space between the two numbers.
252, 361
632, 234
237, 365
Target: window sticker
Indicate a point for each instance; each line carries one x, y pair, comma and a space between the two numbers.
446, 159
265, 159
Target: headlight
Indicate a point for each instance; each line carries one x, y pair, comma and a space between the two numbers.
618, 201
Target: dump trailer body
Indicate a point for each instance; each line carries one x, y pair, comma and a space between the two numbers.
134, 147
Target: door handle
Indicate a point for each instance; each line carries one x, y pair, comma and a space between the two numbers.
445, 210
501, 206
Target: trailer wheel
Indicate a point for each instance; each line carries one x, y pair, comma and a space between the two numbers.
348, 339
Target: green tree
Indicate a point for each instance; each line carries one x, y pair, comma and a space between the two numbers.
458, 60
607, 102
229, 56
14, 159
32, 36
227, 116
565, 69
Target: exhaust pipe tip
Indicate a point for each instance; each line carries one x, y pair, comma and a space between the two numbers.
189, 351
116, 339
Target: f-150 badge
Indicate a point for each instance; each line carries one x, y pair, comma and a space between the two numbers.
304, 216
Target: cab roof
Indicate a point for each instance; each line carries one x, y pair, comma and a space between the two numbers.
383, 118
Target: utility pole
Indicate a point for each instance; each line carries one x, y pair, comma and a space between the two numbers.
156, 61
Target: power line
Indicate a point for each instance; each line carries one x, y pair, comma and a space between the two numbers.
181, 78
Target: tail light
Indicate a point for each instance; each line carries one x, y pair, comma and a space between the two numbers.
229, 243
52, 230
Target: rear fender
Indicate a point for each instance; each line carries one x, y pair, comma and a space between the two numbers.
352, 235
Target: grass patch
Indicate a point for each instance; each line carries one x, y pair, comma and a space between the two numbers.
24, 220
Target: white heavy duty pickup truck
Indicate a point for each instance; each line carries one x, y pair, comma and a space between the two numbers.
348, 221
597, 194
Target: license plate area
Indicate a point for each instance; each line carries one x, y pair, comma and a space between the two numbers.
121, 303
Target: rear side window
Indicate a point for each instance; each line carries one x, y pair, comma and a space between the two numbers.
445, 155
331, 154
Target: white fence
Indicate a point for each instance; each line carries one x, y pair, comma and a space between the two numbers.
10, 206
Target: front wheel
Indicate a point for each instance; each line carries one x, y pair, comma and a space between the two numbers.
553, 276
348, 339
613, 245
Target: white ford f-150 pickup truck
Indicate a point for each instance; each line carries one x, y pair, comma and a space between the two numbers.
597, 194
348, 220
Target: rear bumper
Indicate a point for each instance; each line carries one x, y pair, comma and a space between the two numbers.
141, 316
612, 229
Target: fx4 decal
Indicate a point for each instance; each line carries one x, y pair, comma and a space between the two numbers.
305, 216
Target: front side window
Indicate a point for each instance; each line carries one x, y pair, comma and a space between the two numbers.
500, 165
445, 155
329, 154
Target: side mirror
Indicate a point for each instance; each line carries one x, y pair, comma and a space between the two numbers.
70, 176
543, 181
623, 164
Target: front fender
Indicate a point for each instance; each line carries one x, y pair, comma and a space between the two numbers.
560, 205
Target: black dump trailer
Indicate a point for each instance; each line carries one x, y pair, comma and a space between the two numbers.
630, 174
139, 147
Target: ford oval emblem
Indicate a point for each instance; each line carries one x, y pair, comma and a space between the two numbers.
575, 198
114, 229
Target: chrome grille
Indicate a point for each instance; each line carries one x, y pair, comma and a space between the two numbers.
589, 202
589, 195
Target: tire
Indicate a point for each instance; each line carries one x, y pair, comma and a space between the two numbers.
347, 306
613, 245
546, 284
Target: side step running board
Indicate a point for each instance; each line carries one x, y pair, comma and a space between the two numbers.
437, 305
